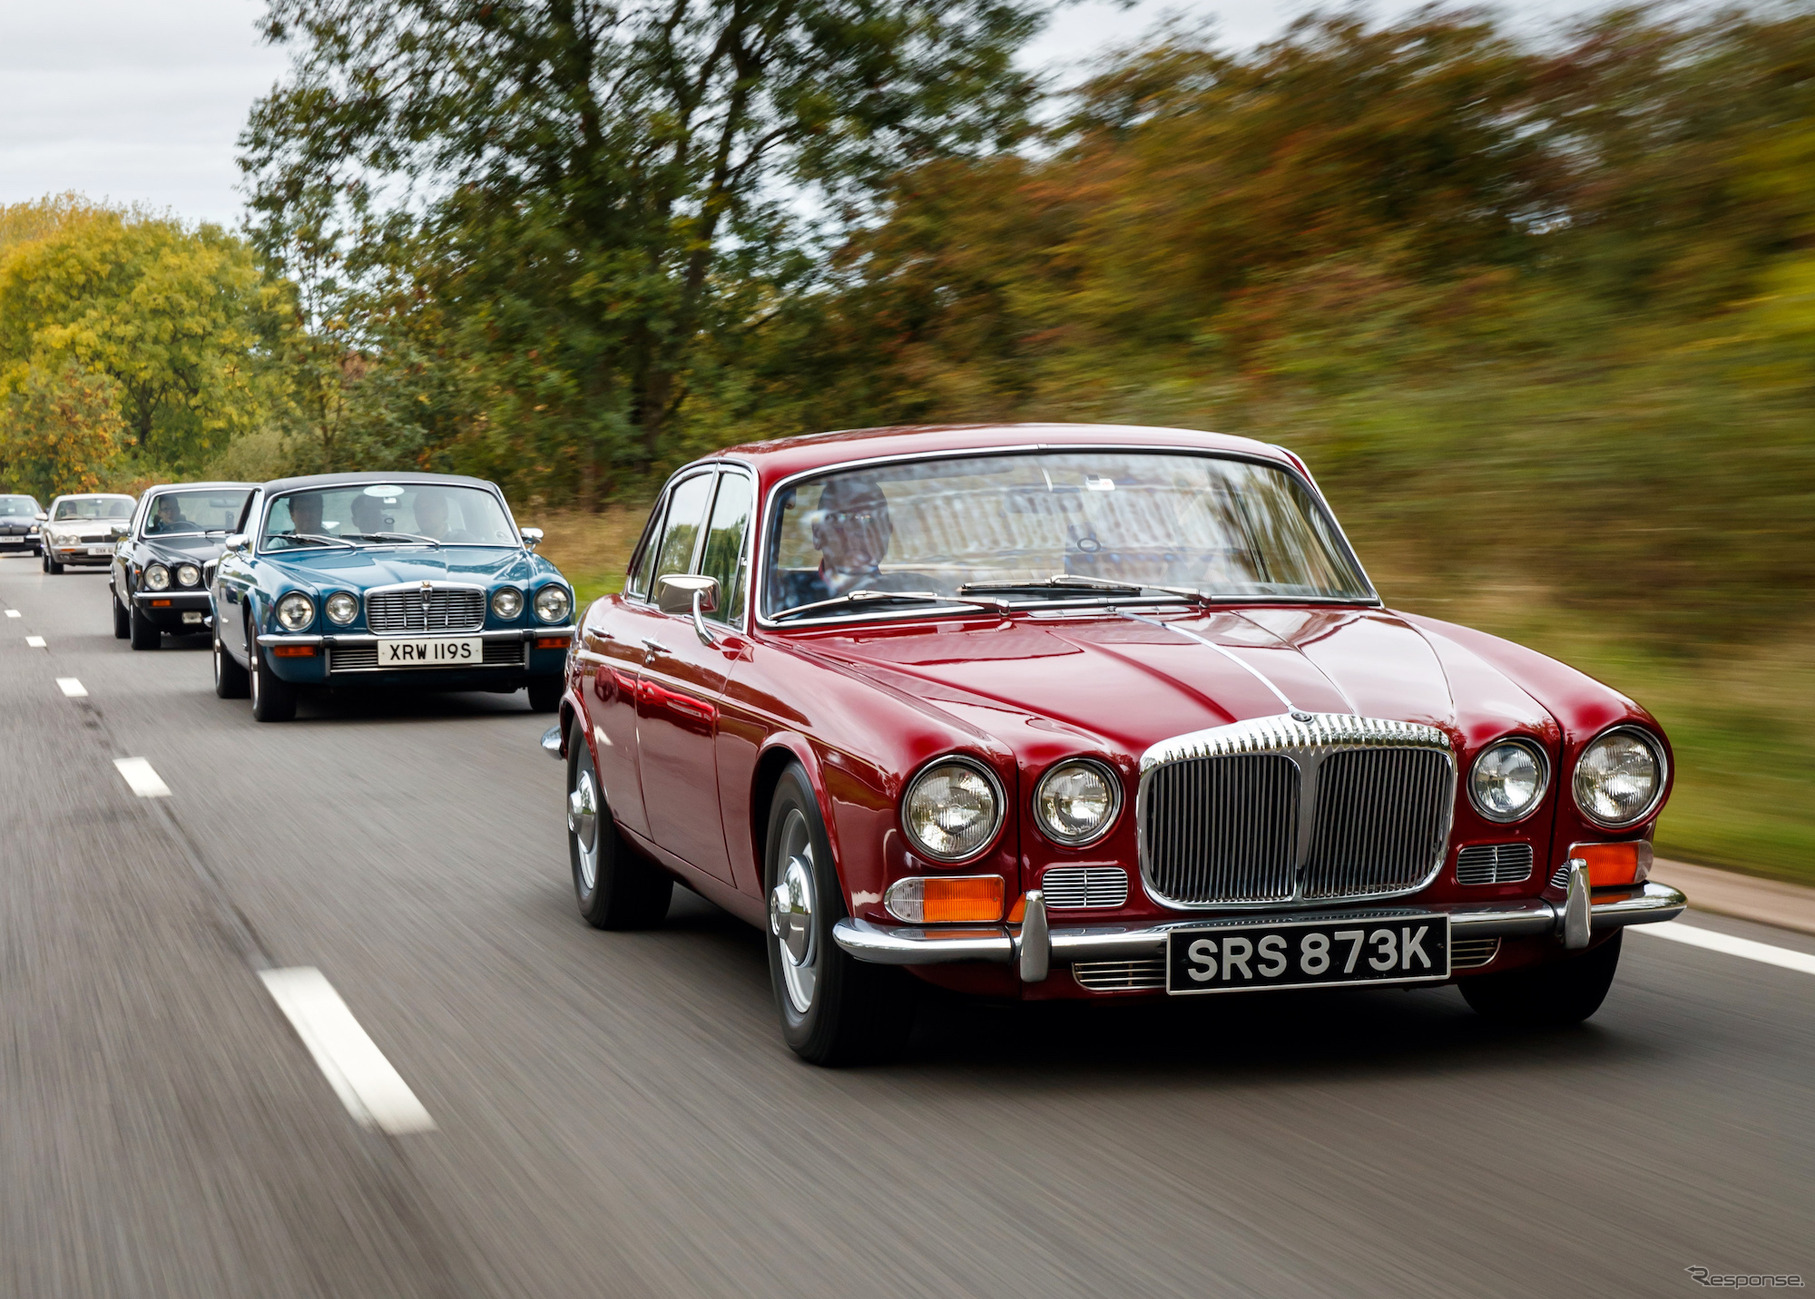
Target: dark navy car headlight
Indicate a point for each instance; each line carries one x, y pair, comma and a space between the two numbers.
341, 608
553, 603
295, 611
157, 577
507, 602
188, 575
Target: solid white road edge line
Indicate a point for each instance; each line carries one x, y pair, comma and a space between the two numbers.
1715, 941
34, 642
145, 782
72, 688
373, 1092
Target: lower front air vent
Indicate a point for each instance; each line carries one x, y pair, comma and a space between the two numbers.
1145, 975
1076, 887
1494, 863
1472, 953
1559, 878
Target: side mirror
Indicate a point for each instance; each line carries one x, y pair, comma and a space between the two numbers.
43, 517
236, 542
686, 593
119, 530
532, 537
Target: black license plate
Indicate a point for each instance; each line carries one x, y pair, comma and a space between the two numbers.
1268, 954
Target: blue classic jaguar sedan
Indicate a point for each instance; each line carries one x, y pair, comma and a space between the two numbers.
418, 581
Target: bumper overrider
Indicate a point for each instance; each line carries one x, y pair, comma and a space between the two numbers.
1035, 946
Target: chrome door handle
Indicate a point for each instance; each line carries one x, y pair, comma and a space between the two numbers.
655, 645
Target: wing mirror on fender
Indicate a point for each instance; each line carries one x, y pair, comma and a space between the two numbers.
688, 593
532, 537
118, 530
235, 542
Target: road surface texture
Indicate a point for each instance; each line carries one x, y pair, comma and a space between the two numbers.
615, 1114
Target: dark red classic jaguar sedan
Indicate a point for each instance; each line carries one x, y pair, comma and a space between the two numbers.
1094, 712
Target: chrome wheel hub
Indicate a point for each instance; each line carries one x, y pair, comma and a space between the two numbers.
583, 824
791, 905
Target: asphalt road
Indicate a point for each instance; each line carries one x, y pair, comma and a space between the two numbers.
616, 1115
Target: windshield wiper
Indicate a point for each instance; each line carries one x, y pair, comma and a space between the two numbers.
1078, 582
394, 536
885, 597
315, 537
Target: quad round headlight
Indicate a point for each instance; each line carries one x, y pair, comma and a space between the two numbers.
295, 611
507, 602
157, 577
188, 575
1508, 780
341, 608
1620, 778
1076, 801
552, 603
952, 810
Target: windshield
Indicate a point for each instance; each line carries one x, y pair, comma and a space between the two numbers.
201, 511
18, 507
92, 507
1226, 528
365, 514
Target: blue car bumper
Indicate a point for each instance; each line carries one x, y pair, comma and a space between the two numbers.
510, 659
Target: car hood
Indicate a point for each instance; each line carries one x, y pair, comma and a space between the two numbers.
193, 547
1127, 682
364, 569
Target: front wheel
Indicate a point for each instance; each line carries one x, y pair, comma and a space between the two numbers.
834, 1009
1555, 994
230, 679
545, 694
143, 631
51, 565
615, 886
122, 621
273, 698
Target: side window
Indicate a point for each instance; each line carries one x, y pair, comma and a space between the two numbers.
724, 555
644, 576
249, 513
681, 529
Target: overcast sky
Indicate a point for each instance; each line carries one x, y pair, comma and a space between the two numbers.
142, 100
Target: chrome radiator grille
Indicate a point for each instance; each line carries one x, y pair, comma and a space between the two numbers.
1494, 863
1074, 887
1304, 807
446, 609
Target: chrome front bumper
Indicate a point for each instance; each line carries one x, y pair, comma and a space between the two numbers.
1035, 947
364, 638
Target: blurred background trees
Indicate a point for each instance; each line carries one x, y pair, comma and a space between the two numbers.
1538, 308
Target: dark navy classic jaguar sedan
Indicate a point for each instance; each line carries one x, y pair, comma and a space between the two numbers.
419, 581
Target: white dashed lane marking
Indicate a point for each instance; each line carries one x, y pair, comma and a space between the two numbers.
145, 782
12, 613
374, 1093
35, 642
72, 687
1677, 932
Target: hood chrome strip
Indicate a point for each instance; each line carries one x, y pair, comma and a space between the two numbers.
1239, 662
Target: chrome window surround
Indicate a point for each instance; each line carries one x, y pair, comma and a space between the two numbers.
1305, 740
435, 588
738, 619
1532, 747
759, 575
1663, 776
995, 783
1103, 769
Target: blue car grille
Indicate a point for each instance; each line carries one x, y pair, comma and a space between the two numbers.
444, 610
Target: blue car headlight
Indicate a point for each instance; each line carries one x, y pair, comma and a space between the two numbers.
295, 611
507, 603
341, 608
553, 603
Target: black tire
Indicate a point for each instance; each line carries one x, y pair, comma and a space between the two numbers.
847, 1011
231, 680
545, 694
144, 633
273, 698
1555, 994
625, 889
122, 621
51, 565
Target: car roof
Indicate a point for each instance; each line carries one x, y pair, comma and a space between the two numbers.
404, 478
785, 457
200, 487
93, 496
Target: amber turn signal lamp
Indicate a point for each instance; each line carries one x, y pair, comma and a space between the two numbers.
1613, 864
551, 642
956, 899
160, 604
1018, 912
292, 651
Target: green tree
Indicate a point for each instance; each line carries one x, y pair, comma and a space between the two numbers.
60, 431
589, 196
176, 319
